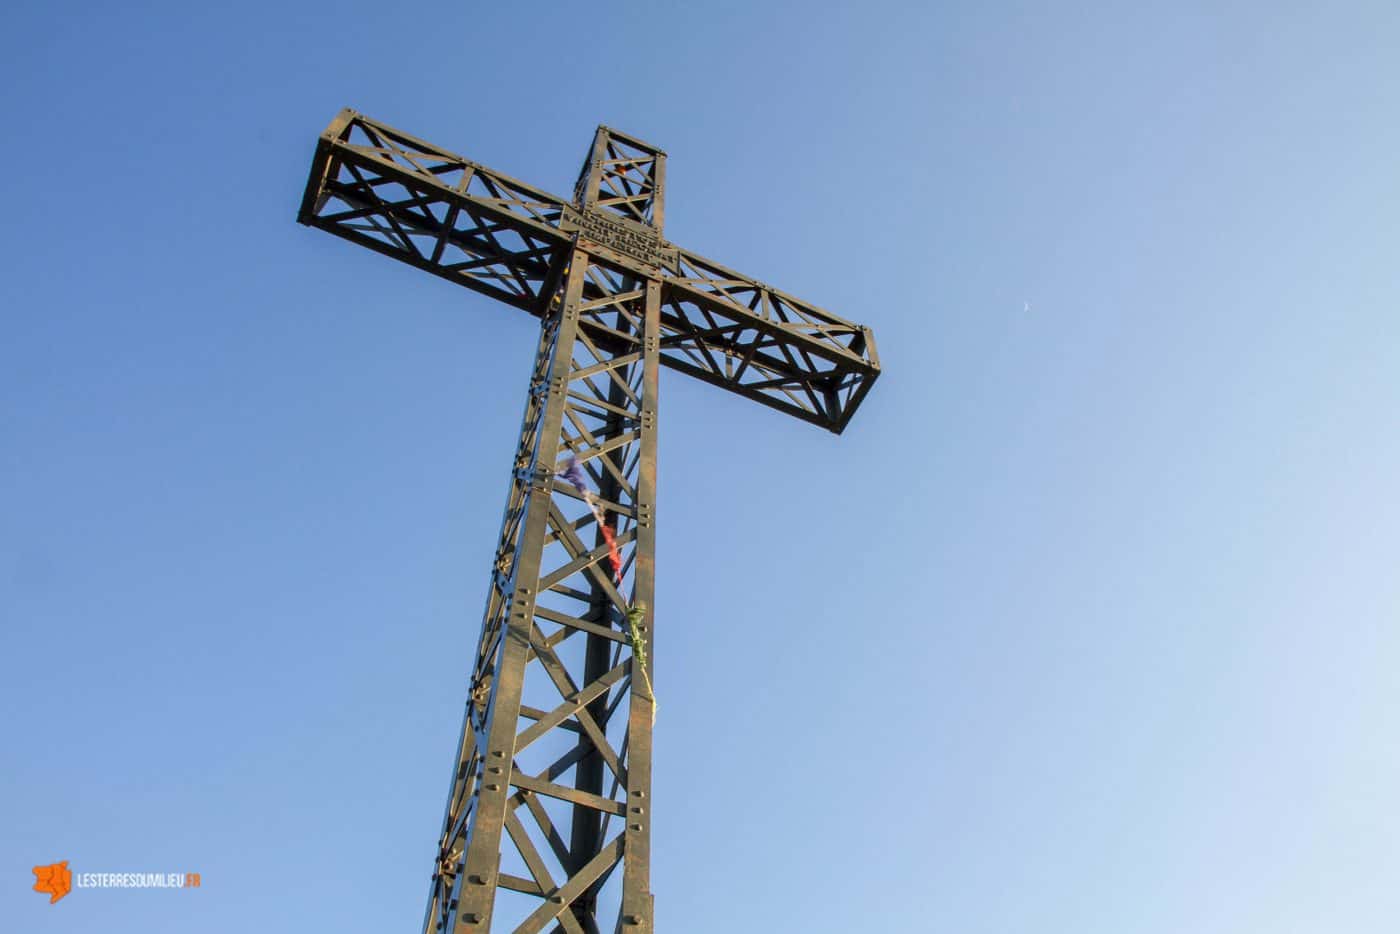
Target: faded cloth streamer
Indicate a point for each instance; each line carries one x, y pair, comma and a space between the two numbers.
573, 472
635, 614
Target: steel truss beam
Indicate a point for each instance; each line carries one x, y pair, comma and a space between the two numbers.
484, 230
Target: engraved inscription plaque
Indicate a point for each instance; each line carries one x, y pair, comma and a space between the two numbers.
633, 240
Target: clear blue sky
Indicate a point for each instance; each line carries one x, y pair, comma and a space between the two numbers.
1088, 623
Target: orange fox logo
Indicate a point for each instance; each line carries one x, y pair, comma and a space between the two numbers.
55, 881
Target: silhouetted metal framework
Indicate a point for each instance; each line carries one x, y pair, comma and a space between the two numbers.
548, 819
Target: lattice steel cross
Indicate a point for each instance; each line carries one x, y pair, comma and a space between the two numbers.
550, 794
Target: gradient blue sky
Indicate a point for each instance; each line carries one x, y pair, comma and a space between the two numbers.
1088, 623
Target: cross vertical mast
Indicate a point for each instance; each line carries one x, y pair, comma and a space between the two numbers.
551, 803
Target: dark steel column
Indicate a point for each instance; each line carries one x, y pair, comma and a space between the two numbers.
464, 884
636, 896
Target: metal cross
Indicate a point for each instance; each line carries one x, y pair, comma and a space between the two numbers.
548, 820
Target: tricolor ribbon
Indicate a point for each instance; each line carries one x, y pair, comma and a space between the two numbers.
573, 473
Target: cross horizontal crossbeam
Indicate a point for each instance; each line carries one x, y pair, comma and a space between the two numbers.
482, 229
